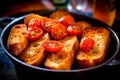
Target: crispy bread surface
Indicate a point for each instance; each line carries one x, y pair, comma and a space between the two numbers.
34, 54
63, 60
97, 53
16, 41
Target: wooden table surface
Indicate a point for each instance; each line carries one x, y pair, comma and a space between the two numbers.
10, 8
24, 6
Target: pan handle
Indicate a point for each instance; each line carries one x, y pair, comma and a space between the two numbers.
5, 20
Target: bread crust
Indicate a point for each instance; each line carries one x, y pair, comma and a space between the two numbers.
34, 54
31, 16
59, 13
63, 60
17, 41
97, 53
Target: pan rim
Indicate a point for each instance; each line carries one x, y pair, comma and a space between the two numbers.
50, 70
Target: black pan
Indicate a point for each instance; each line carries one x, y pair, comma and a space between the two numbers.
38, 72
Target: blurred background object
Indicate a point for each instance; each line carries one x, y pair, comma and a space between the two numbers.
117, 4
9, 7
84, 7
105, 11
60, 4
79, 5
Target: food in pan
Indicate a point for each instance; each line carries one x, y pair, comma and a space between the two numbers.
34, 53
84, 24
93, 46
63, 17
59, 14
31, 16
17, 41
64, 58
51, 43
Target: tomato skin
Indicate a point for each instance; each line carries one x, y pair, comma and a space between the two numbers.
35, 22
75, 29
87, 44
52, 46
31, 16
59, 31
34, 33
48, 24
84, 24
67, 20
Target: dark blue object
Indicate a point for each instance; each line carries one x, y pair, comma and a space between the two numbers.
7, 68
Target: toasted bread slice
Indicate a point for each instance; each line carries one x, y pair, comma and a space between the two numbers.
31, 16
58, 14
34, 54
63, 59
16, 41
97, 53
84, 24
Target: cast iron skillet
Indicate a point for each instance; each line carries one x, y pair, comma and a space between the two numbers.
112, 51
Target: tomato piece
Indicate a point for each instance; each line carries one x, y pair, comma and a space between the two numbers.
52, 46
35, 22
47, 24
87, 44
34, 33
66, 20
84, 24
75, 29
31, 16
59, 31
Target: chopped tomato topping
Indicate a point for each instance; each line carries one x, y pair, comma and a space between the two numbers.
75, 29
59, 31
48, 24
35, 22
52, 46
67, 20
87, 44
34, 33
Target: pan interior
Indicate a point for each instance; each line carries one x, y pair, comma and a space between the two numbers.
112, 51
